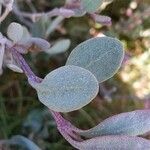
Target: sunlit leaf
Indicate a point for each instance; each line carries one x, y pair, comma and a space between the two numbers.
91, 5
15, 32
101, 55
67, 88
131, 123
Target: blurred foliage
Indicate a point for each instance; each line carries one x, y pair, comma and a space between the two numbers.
22, 113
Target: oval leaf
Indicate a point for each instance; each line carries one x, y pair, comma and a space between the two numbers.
67, 88
15, 31
101, 55
114, 143
132, 123
10, 62
105, 20
91, 5
35, 44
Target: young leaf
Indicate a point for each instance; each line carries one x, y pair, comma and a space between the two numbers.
131, 123
10, 62
105, 20
91, 6
24, 142
15, 32
67, 88
59, 47
114, 143
101, 55
35, 44
76, 7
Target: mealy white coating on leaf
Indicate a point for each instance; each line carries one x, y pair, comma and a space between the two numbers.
91, 6
15, 32
131, 123
101, 55
67, 88
59, 47
115, 142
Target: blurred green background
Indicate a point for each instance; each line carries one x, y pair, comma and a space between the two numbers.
22, 113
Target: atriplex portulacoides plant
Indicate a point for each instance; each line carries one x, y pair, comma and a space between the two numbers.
76, 84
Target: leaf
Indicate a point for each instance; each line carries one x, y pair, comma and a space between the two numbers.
75, 6
105, 20
59, 47
35, 121
11, 63
131, 123
110, 142
39, 27
114, 143
15, 32
54, 25
101, 55
67, 88
24, 142
26, 33
35, 44
91, 6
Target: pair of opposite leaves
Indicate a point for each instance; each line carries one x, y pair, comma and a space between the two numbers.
73, 86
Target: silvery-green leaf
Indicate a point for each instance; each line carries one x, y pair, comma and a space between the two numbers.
39, 27
114, 143
76, 7
91, 5
23, 142
131, 123
35, 44
11, 63
79, 12
55, 23
26, 33
105, 20
59, 47
15, 32
67, 88
15, 68
101, 55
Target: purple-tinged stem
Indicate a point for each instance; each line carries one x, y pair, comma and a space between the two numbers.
65, 126
25, 67
67, 130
